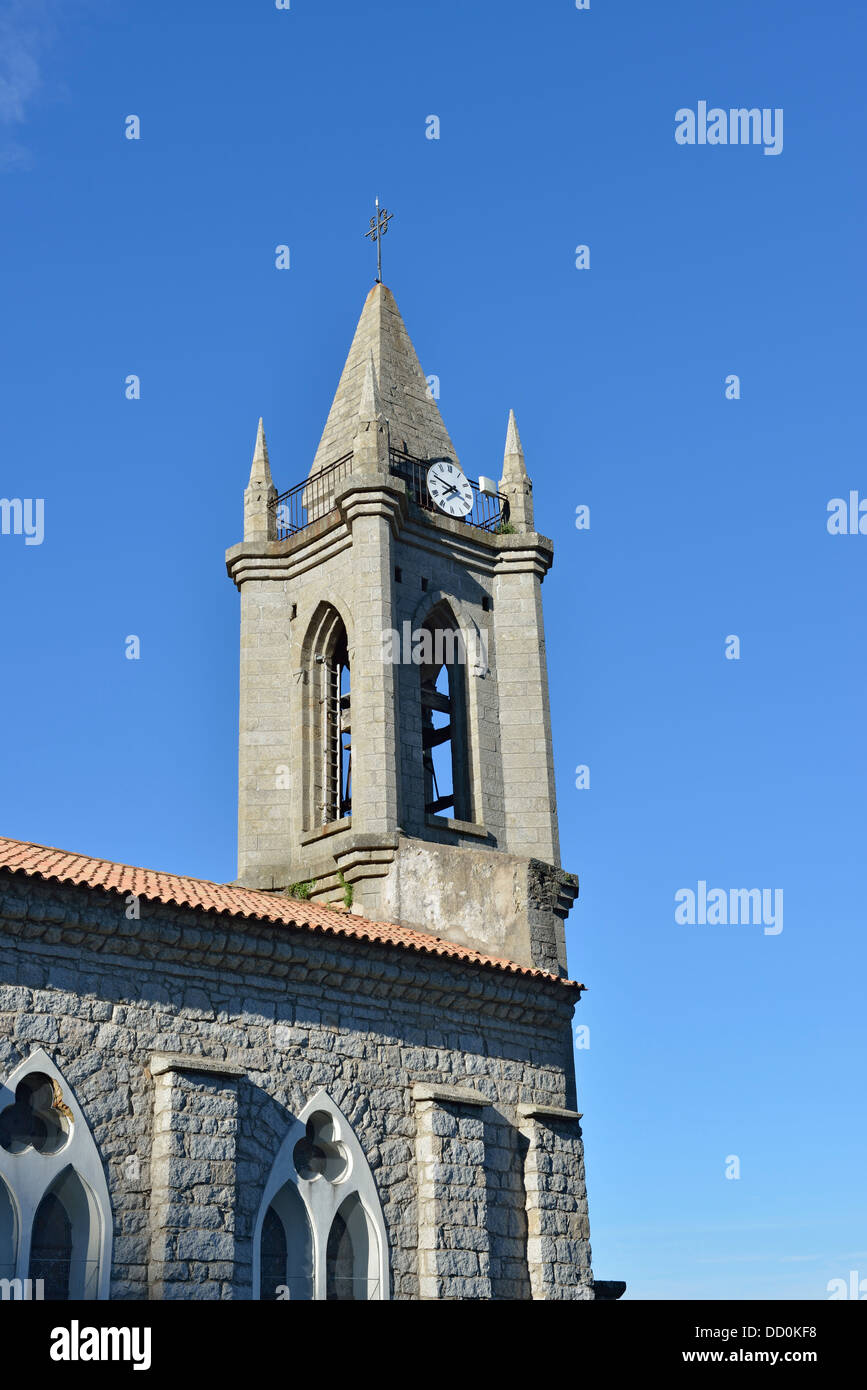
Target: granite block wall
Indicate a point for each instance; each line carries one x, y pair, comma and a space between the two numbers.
273, 1015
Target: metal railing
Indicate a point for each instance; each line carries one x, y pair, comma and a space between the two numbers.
314, 498
309, 501
488, 512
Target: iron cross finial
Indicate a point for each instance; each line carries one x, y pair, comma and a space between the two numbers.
378, 229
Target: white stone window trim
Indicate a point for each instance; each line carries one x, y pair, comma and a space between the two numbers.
322, 1199
29, 1175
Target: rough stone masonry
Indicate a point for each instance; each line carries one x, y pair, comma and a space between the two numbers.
190, 1039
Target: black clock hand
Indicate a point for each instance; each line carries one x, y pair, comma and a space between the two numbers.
453, 488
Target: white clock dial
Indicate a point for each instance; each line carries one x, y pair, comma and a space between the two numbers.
449, 488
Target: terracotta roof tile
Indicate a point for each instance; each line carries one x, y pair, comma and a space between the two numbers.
63, 866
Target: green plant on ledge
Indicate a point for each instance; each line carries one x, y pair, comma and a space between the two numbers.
301, 890
505, 528
348, 891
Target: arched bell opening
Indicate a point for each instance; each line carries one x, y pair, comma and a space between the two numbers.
327, 720
445, 732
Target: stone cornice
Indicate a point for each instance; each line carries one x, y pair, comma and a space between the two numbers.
372, 494
532, 553
360, 493
287, 559
383, 494
484, 549
468, 546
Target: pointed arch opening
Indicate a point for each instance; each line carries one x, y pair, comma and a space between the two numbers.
351, 1255
286, 1253
329, 722
8, 1233
55, 1209
64, 1243
337, 773
444, 723
320, 1218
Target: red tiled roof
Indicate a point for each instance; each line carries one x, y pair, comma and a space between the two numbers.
62, 866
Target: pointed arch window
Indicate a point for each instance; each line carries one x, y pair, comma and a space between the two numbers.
328, 723
275, 1250
8, 1233
337, 751
51, 1246
444, 725
320, 1223
287, 1248
347, 1257
55, 1213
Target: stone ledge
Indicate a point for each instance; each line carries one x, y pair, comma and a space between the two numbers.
173, 1061
547, 1112
451, 1095
459, 827
337, 827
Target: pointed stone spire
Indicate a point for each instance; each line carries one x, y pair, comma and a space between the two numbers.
515, 483
261, 468
260, 520
513, 459
382, 349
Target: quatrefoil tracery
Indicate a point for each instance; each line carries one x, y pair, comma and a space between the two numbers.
38, 1119
320, 1153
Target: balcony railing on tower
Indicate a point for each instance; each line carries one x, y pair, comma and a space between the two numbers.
309, 501
312, 499
488, 513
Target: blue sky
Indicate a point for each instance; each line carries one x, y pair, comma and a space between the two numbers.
708, 516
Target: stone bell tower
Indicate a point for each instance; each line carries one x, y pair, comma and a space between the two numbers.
395, 737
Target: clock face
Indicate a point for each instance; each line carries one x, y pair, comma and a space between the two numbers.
449, 488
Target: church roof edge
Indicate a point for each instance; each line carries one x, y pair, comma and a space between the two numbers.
65, 866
